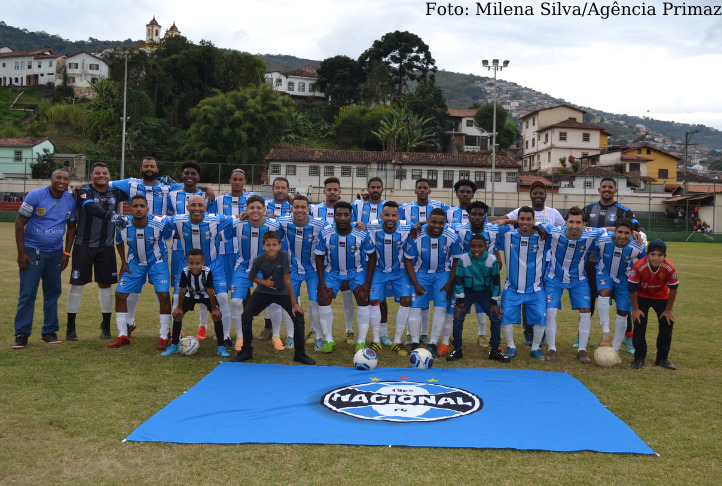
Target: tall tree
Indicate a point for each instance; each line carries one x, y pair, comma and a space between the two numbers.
339, 78
405, 54
507, 131
238, 70
427, 101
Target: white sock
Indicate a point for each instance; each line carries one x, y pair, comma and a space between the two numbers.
425, 317
508, 330
603, 306
448, 327
374, 321
551, 328
165, 325
132, 305
121, 321
481, 322
288, 324
326, 318
314, 318
437, 327
383, 327
585, 325
348, 308
225, 308
236, 312
538, 335
402, 316
620, 327
106, 300
74, 295
276, 315
362, 318
174, 302
414, 322
203, 315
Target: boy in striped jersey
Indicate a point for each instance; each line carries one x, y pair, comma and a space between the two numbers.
465, 190
147, 256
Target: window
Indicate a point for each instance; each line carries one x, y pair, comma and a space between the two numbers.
72, 65
17, 65
50, 64
94, 67
532, 142
549, 156
448, 178
416, 174
469, 123
527, 123
511, 176
301, 87
649, 151
663, 174
433, 176
464, 174
346, 172
311, 87
314, 170
40, 64
290, 170
533, 121
361, 172
400, 174
585, 137
328, 170
290, 86
471, 140
588, 184
3, 64
562, 136
639, 151
275, 169
585, 154
634, 167
71, 79
546, 138
22, 65
480, 179
497, 176
292, 191
18, 156
279, 81
526, 144
94, 80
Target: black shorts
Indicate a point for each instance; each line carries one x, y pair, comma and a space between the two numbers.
85, 258
189, 304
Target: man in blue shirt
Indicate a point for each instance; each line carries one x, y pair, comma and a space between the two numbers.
465, 190
39, 229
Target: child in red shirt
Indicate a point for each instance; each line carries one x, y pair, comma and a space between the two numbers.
653, 284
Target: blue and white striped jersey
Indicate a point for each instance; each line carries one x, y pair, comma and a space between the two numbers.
301, 242
344, 254
178, 200
456, 215
157, 195
250, 240
524, 258
389, 246
616, 262
229, 205
412, 213
566, 257
490, 233
366, 211
147, 245
433, 255
279, 209
322, 212
205, 235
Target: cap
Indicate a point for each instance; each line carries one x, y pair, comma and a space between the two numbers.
537, 184
657, 245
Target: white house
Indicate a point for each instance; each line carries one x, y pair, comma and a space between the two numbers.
16, 154
300, 83
588, 180
466, 136
84, 70
618, 159
29, 68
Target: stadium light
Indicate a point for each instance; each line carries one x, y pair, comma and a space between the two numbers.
494, 67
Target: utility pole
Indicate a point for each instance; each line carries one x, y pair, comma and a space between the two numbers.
495, 66
687, 136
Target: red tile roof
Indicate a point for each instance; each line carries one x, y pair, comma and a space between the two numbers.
651, 147
552, 107
528, 180
36, 52
634, 158
22, 141
304, 71
596, 172
569, 123
457, 112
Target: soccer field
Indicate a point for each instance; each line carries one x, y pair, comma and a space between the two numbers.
65, 409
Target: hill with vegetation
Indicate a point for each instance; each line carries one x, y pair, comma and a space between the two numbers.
23, 40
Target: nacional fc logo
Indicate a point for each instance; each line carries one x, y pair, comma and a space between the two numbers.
402, 401
40, 211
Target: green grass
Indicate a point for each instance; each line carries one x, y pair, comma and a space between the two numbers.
64, 410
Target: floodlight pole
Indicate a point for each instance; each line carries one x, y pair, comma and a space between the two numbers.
687, 136
125, 93
495, 66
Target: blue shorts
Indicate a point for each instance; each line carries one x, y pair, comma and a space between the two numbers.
229, 262
219, 278
241, 284
334, 281
578, 294
432, 282
620, 291
158, 275
311, 279
177, 263
397, 282
534, 303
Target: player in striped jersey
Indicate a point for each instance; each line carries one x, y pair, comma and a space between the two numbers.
524, 254
465, 190
568, 246
249, 234
430, 262
340, 257
616, 257
279, 205
147, 256
389, 238
369, 210
300, 233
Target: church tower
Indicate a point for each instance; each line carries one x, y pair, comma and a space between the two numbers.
152, 31
173, 31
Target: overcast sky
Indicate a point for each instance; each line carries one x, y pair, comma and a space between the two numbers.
663, 66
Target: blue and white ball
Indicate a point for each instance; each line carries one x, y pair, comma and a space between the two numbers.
188, 346
365, 359
421, 358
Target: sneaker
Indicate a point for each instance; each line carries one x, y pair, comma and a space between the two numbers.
455, 355
289, 344
399, 349
131, 327
239, 343
318, 345
359, 346
443, 349
201, 334
637, 364
551, 355
171, 349
304, 359
328, 347
350, 339
511, 352
20, 341
628, 343
576, 343
538, 354
433, 350
223, 352
483, 340
227, 343
606, 339
266, 334
311, 337
408, 340
163, 344
376, 347
242, 356
528, 339
119, 342
51, 338
498, 355
277, 343
105, 333
583, 357
424, 340
386, 341
71, 335
664, 363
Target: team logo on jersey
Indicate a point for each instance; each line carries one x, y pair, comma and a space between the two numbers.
533, 248
402, 401
353, 247
612, 217
111, 200
122, 282
151, 239
309, 237
602, 281
550, 298
40, 211
207, 235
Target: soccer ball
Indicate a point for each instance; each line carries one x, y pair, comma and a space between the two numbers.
365, 359
421, 358
188, 346
605, 356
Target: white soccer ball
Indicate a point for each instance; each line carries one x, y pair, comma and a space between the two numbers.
421, 358
365, 359
605, 356
188, 346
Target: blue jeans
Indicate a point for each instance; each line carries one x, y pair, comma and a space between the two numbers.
483, 298
45, 266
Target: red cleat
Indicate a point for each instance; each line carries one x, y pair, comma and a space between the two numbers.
119, 342
443, 349
163, 344
201, 334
